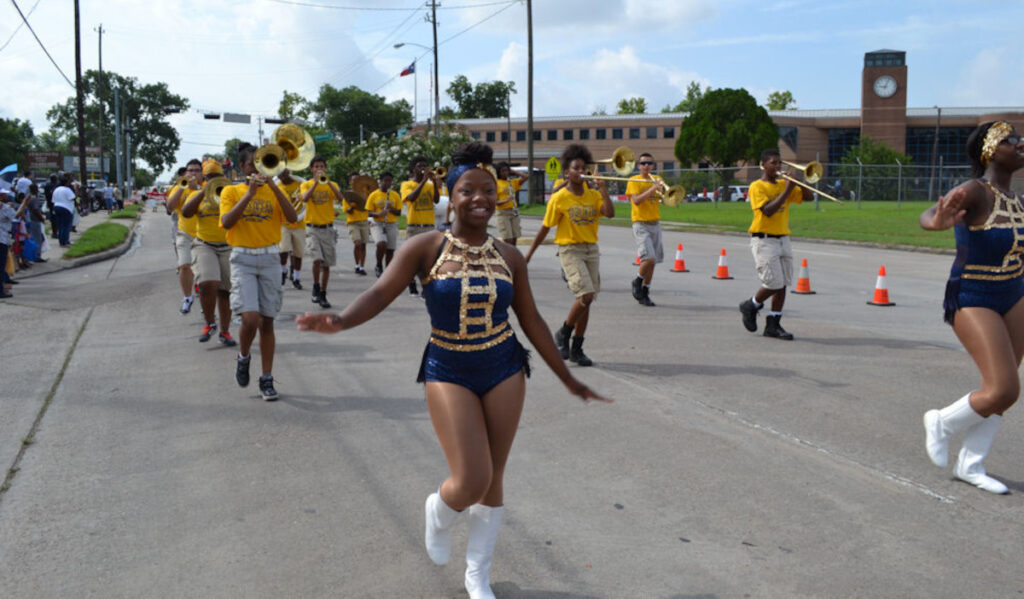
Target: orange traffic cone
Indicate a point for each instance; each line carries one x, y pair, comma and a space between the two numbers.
680, 265
803, 281
881, 291
637, 263
723, 267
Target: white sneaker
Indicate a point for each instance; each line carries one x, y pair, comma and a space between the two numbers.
186, 304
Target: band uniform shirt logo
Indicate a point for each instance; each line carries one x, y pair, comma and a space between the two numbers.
260, 224
320, 207
575, 216
376, 200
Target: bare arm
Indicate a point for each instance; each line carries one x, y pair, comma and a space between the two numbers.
642, 197
607, 208
953, 207
539, 239
230, 219
191, 207
774, 205
289, 211
409, 260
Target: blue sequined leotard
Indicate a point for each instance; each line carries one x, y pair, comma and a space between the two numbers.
989, 268
468, 292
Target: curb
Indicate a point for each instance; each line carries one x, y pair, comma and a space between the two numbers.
113, 252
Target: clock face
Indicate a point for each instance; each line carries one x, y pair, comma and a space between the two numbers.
885, 86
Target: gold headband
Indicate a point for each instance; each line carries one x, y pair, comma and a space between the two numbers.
995, 136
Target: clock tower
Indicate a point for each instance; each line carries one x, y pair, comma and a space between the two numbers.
883, 98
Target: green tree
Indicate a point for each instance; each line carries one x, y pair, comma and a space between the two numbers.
145, 109
342, 111
687, 104
780, 100
725, 127
379, 154
484, 100
293, 106
144, 178
599, 110
16, 138
878, 177
447, 113
632, 106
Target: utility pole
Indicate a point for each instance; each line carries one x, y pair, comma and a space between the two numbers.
935, 150
99, 95
79, 99
529, 100
437, 82
117, 140
128, 158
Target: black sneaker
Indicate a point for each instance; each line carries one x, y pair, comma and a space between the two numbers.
749, 315
323, 301
267, 391
377, 270
296, 284
208, 331
576, 354
637, 288
284, 278
316, 293
242, 370
645, 297
562, 341
226, 339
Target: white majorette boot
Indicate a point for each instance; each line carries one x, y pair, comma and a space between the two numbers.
484, 523
977, 442
438, 538
940, 425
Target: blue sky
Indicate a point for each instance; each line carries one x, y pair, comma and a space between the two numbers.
238, 56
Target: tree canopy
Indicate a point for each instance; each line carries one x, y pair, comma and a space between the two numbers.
632, 106
725, 127
687, 104
16, 138
484, 100
781, 100
878, 177
342, 111
144, 109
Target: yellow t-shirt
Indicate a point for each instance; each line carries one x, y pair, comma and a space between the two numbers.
185, 225
375, 203
574, 215
208, 221
506, 201
260, 224
421, 208
320, 207
761, 192
356, 216
289, 190
649, 209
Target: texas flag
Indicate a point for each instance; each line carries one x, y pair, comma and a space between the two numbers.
409, 70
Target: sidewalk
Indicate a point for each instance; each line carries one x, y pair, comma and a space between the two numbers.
54, 256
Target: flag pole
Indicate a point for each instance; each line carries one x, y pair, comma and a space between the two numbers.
415, 92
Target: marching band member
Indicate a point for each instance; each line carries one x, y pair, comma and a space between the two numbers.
252, 213
507, 211
474, 368
419, 193
212, 257
575, 210
320, 240
358, 222
293, 235
385, 206
644, 191
185, 236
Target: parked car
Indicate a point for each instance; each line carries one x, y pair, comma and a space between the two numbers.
731, 193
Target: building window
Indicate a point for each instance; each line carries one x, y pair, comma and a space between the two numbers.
474, 134
567, 134
839, 141
634, 132
552, 135
600, 134
536, 136
504, 136
668, 166
952, 140
490, 136
584, 133
668, 132
520, 135
788, 133
652, 133
616, 133
602, 168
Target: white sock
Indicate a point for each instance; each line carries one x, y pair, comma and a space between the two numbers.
295, 276
284, 268
757, 304
774, 313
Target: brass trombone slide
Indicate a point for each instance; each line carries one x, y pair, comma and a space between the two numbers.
812, 171
671, 195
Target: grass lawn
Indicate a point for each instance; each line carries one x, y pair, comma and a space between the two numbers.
129, 211
96, 239
874, 222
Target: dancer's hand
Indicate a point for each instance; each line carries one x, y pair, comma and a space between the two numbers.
319, 322
585, 393
949, 210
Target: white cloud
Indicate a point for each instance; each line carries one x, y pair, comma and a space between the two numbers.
993, 77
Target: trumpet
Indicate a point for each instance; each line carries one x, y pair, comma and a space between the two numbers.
183, 182
441, 172
812, 172
323, 179
623, 161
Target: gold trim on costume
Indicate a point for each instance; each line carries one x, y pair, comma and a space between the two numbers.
1007, 213
472, 346
993, 137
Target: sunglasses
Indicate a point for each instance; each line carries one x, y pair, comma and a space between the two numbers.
645, 163
1012, 140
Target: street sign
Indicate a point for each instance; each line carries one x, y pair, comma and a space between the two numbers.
323, 137
553, 168
43, 160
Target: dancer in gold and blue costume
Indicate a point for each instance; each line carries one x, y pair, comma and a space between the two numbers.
983, 298
474, 369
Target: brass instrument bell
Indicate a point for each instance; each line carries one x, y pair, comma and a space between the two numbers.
623, 161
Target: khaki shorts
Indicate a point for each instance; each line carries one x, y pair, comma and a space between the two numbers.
414, 230
213, 263
773, 257
183, 248
581, 263
256, 283
508, 224
320, 244
359, 232
293, 240
388, 233
647, 236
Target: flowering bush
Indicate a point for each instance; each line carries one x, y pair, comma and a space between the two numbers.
378, 154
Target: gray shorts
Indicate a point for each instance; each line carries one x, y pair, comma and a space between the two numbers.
508, 224
183, 247
320, 244
256, 282
647, 236
773, 257
388, 233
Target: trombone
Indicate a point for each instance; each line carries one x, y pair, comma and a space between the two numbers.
671, 195
623, 161
812, 171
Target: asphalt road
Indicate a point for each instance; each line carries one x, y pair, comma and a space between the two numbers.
730, 465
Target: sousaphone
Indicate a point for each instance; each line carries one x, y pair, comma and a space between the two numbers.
291, 147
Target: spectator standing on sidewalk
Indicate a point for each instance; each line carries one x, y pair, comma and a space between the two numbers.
8, 214
64, 209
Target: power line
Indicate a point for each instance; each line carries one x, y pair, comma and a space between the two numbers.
381, 9
41, 44
18, 28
